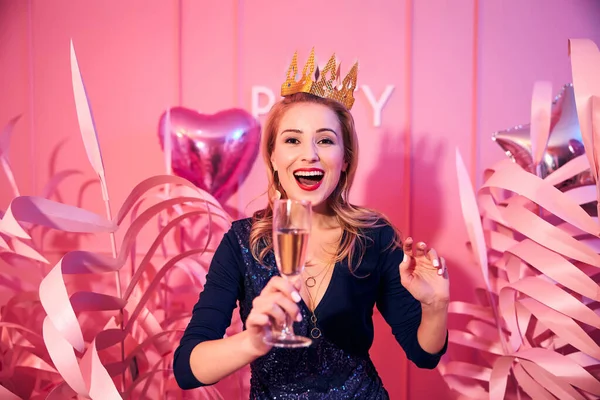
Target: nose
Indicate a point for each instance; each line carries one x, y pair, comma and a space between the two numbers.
310, 152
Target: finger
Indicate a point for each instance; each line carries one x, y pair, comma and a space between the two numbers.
274, 312
420, 249
405, 263
258, 320
433, 256
279, 284
443, 270
288, 306
405, 274
277, 195
296, 282
277, 305
408, 246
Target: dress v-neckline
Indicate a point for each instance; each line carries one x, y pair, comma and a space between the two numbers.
329, 285
325, 295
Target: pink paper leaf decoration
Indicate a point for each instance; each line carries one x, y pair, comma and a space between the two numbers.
5, 137
64, 328
541, 106
543, 265
585, 63
51, 214
7, 394
86, 122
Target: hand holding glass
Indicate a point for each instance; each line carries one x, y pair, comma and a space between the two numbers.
291, 228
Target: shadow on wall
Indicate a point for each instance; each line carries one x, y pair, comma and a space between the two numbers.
387, 193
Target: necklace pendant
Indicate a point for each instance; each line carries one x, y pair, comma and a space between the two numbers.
310, 281
315, 333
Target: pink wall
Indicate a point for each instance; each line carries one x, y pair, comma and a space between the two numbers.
460, 71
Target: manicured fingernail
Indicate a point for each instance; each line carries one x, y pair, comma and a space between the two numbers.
440, 271
296, 297
405, 258
299, 317
436, 262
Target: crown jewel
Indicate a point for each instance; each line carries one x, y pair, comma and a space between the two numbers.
324, 84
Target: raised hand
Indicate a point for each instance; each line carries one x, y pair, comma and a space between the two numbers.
278, 298
424, 274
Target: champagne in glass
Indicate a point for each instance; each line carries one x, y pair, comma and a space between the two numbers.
291, 228
290, 250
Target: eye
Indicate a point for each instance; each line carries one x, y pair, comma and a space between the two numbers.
326, 141
292, 140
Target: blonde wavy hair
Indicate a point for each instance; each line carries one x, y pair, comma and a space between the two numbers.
352, 219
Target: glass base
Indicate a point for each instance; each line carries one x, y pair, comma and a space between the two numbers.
288, 341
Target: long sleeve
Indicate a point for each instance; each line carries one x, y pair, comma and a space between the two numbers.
399, 308
212, 313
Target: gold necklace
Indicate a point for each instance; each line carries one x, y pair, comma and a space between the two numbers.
311, 281
315, 332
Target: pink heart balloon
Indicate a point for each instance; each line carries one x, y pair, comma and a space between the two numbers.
214, 152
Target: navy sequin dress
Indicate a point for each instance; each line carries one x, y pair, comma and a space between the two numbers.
335, 366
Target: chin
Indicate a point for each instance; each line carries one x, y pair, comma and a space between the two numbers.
316, 199
317, 193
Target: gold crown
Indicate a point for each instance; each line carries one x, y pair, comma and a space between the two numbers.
322, 85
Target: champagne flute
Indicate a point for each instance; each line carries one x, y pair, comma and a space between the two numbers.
291, 228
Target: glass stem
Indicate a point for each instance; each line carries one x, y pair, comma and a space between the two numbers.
286, 329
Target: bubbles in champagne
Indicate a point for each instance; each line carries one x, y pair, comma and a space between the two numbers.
290, 250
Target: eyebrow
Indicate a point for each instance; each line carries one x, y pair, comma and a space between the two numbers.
300, 131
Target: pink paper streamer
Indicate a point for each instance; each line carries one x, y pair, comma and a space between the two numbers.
563, 326
551, 286
585, 64
86, 122
471, 216
70, 325
574, 167
468, 370
582, 194
530, 386
499, 378
23, 249
556, 267
6, 394
53, 293
562, 367
63, 357
517, 180
101, 385
61, 392
546, 379
558, 299
541, 106
5, 137
469, 340
51, 214
480, 312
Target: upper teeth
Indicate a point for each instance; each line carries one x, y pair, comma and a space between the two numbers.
308, 173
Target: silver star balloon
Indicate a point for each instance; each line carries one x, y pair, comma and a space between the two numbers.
564, 143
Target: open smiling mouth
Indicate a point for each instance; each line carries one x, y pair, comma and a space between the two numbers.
309, 179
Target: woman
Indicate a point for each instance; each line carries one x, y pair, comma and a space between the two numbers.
355, 261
